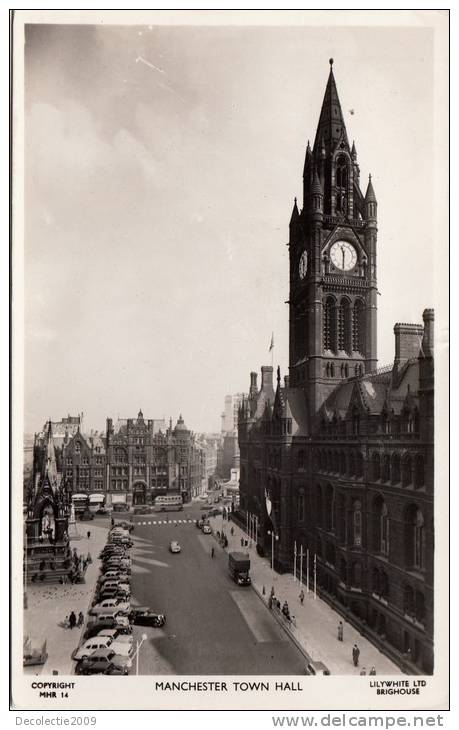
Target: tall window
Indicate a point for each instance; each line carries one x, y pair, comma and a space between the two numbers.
329, 333
380, 527
407, 471
358, 327
376, 462
357, 523
342, 177
395, 471
419, 540
300, 507
419, 479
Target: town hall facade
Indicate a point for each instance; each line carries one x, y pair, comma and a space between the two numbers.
341, 451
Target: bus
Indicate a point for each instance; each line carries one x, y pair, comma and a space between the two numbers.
80, 503
168, 503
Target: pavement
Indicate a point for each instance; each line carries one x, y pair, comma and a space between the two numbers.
49, 604
314, 624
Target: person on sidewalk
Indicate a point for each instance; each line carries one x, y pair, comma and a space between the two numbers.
373, 672
212, 552
302, 596
340, 631
363, 671
89, 534
355, 655
80, 621
72, 619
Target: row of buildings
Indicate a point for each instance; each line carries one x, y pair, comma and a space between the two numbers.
134, 461
336, 458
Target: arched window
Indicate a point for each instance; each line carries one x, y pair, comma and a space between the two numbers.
395, 470
407, 471
357, 523
419, 478
300, 507
355, 422
359, 464
341, 518
344, 328
351, 464
301, 460
376, 467
329, 331
385, 476
77, 447
342, 180
319, 506
414, 538
330, 508
380, 526
358, 327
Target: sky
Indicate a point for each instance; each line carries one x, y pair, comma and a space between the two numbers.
161, 163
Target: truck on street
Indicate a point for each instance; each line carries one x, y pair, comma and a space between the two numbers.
239, 566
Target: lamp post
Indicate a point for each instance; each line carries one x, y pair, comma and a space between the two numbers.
138, 645
294, 563
273, 537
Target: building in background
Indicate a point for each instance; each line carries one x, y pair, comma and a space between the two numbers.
337, 460
210, 444
228, 456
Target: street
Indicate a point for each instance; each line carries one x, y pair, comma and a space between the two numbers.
213, 626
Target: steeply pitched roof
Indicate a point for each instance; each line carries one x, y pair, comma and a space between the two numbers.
331, 127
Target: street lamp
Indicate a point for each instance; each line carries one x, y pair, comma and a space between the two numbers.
273, 537
138, 645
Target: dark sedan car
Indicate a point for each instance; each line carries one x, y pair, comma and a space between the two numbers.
144, 616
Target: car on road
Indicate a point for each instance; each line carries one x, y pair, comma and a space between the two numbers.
143, 510
207, 530
126, 524
199, 524
102, 511
110, 605
174, 547
144, 616
104, 661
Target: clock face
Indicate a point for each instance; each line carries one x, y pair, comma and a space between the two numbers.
303, 265
343, 255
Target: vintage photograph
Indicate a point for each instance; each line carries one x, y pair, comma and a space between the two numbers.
231, 248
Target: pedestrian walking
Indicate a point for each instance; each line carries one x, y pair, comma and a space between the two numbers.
301, 596
80, 621
89, 534
212, 552
72, 619
355, 655
340, 631
373, 672
232, 531
363, 671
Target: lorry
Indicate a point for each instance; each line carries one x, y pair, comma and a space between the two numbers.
239, 566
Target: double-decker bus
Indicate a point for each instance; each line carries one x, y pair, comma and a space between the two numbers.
168, 503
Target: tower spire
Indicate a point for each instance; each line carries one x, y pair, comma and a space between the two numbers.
331, 125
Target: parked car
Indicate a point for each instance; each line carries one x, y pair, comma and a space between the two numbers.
119, 594
117, 635
103, 661
110, 605
113, 574
90, 646
144, 616
207, 530
108, 621
102, 511
174, 547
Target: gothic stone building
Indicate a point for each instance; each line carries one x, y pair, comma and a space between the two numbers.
344, 450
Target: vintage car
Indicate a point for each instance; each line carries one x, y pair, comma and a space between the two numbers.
108, 621
144, 616
104, 661
174, 546
110, 605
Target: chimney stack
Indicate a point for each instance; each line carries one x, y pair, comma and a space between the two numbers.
266, 377
428, 338
253, 384
408, 339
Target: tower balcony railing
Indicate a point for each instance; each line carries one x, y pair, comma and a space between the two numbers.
336, 220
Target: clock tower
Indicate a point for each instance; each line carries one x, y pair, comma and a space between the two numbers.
332, 246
